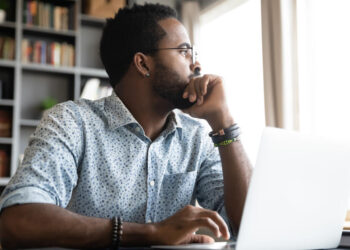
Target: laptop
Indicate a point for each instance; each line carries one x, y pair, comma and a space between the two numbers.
297, 198
298, 194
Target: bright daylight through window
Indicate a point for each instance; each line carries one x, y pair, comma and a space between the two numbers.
230, 45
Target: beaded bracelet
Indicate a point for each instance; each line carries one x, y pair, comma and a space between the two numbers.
117, 232
226, 142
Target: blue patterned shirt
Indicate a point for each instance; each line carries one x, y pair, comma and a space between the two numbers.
93, 158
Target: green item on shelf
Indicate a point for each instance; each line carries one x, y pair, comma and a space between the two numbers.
48, 103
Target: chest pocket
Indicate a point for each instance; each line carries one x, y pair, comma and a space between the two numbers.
175, 193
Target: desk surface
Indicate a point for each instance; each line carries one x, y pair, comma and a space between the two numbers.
344, 245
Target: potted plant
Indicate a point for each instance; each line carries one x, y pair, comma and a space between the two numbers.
47, 103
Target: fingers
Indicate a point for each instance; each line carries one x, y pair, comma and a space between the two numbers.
200, 238
197, 89
208, 223
210, 219
219, 221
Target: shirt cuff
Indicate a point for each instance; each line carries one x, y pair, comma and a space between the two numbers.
26, 195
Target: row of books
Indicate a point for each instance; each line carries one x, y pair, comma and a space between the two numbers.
54, 53
48, 15
7, 48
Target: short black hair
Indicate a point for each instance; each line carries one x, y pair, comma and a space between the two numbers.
131, 30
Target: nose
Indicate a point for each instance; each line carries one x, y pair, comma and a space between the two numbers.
196, 68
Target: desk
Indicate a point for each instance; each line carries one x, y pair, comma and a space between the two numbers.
344, 245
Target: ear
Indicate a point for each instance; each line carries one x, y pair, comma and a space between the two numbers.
142, 64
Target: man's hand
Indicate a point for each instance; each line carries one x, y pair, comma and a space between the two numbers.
208, 93
180, 228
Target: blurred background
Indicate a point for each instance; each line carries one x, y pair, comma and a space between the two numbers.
285, 62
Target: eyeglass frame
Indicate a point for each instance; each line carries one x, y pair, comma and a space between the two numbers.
193, 48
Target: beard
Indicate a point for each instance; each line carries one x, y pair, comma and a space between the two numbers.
168, 84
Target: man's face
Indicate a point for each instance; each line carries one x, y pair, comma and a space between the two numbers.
173, 67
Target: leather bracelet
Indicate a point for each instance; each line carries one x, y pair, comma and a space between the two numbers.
231, 133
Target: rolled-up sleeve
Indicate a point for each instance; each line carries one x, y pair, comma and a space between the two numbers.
48, 173
210, 186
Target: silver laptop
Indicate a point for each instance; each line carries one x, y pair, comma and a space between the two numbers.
298, 194
297, 198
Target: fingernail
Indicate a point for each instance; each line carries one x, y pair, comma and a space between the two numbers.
192, 98
185, 95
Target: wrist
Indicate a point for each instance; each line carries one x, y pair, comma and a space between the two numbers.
135, 234
220, 121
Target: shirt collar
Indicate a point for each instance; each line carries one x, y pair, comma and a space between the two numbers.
118, 115
175, 122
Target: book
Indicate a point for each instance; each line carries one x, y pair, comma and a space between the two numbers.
49, 15
4, 163
5, 123
7, 48
44, 52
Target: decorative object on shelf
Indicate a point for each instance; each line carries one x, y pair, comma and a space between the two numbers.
4, 6
2, 15
48, 103
102, 8
4, 163
94, 89
7, 47
5, 123
48, 15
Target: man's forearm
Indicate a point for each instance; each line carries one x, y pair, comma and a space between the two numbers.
45, 225
237, 171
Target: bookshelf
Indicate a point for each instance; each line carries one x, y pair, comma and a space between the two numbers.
28, 78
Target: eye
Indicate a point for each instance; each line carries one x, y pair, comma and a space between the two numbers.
184, 52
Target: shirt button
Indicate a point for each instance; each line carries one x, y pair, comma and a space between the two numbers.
137, 129
149, 221
152, 183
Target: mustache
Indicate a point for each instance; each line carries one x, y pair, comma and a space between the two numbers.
195, 74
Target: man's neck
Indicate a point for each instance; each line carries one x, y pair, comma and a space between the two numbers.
150, 113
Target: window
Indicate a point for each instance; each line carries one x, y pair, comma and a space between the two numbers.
324, 62
230, 45
324, 67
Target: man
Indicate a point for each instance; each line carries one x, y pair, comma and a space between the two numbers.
130, 156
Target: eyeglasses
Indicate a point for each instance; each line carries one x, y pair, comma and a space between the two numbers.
188, 51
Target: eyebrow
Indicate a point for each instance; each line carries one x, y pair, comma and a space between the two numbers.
184, 44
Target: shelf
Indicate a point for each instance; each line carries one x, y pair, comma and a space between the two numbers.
4, 181
44, 30
29, 122
7, 63
93, 72
86, 19
5, 140
48, 68
8, 24
6, 102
